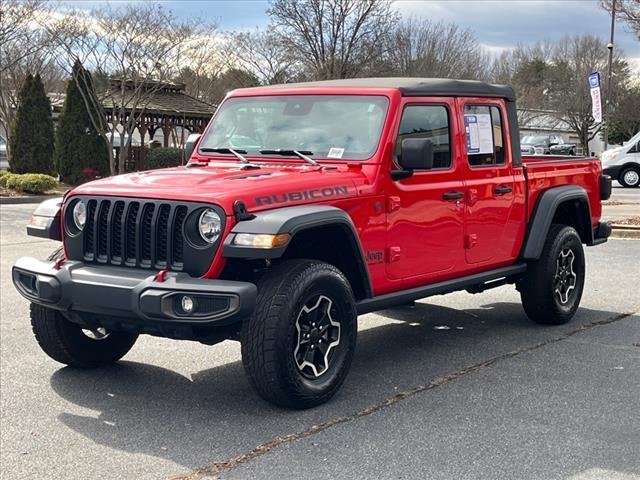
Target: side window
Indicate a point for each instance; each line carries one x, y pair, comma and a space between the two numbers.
431, 122
485, 135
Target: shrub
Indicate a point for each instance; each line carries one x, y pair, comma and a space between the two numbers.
78, 145
163, 157
31, 133
4, 177
30, 182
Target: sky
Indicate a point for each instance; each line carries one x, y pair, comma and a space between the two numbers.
497, 24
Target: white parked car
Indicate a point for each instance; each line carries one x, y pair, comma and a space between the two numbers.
623, 163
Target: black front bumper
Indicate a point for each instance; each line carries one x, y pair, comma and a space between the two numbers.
132, 298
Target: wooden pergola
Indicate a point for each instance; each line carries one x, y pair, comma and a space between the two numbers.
164, 106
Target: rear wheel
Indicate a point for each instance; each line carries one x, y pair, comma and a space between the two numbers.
298, 345
630, 177
552, 287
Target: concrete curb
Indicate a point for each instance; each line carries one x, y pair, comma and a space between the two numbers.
625, 231
26, 199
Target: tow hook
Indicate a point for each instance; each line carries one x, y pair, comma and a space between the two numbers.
59, 263
161, 276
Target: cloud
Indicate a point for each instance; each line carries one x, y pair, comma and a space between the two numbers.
502, 24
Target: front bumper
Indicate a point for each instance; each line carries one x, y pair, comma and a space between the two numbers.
133, 298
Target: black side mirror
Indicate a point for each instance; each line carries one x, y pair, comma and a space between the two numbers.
190, 145
415, 154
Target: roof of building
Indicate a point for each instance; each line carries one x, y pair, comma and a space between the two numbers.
161, 97
162, 101
414, 87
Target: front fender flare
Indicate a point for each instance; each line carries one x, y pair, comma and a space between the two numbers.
293, 220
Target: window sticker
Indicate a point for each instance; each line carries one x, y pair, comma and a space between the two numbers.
479, 132
335, 152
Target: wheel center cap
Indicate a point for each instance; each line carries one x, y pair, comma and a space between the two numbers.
314, 335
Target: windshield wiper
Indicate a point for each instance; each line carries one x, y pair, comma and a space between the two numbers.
236, 153
297, 153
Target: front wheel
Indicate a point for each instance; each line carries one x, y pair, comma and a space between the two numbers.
630, 177
73, 345
298, 344
552, 287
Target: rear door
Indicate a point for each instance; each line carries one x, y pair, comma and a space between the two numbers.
425, 211
491, 222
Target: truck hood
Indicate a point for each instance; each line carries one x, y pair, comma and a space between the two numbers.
272, 185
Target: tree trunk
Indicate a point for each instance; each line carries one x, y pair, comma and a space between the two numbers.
122, 157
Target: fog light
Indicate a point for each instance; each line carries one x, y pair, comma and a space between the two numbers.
187, 304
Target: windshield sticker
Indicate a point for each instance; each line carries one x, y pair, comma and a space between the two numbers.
335, 152
479, 133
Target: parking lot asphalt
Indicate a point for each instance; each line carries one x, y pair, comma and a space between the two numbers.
459, 386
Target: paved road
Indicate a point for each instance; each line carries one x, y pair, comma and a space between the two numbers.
625, 195
493, 396
624, 203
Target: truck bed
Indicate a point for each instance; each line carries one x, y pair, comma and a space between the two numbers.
545, 171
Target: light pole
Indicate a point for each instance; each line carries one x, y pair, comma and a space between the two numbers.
608, 94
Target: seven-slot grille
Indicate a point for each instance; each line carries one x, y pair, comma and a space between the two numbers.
139, 233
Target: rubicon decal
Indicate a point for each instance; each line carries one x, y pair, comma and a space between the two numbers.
313, 194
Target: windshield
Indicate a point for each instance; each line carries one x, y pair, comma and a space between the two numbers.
321, 126
532, 139
633, 140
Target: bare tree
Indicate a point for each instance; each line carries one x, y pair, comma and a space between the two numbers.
624, 119
16, 30
264, 54
333, 38
574, 58
201, 62
423, 48
138, 45
628, 11
24, 48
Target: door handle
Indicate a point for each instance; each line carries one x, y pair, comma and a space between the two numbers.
452, 195
502, 189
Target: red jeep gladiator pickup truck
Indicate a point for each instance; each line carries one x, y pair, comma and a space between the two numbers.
303, 206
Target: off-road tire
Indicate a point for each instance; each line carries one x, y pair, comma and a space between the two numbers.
625, 171
270, 336
67, 343
540, 299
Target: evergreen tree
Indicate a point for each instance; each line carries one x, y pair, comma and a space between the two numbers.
31, 136
80, 152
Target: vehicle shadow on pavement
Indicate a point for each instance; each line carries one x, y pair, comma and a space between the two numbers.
194, 422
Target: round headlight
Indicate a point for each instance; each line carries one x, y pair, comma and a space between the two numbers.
209, 225
80, 214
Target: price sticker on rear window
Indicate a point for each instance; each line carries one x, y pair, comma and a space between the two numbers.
335, 152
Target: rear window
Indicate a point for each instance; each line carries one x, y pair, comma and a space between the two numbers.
485, 135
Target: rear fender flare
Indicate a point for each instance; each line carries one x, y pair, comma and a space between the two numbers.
546, 207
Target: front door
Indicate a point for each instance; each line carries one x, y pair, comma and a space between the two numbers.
491, 222
425, 211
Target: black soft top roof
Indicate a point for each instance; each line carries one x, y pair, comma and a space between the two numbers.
418, 87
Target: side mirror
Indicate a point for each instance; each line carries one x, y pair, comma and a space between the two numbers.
190, 145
